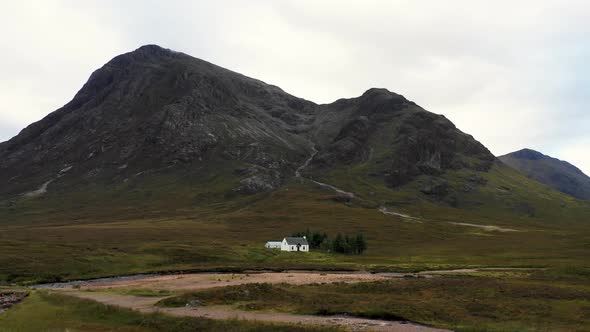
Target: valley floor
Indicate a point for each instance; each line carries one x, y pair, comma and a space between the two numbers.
148, 304
123, 292
498, 299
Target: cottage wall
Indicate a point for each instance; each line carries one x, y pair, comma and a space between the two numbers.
285, 246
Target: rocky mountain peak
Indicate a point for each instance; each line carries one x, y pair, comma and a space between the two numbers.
145, 53
528, 154
379, 92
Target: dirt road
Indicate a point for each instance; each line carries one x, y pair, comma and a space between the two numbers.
147, 305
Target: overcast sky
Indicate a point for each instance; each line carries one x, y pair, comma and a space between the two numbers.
513, 74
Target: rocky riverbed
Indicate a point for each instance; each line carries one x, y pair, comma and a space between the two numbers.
8, 299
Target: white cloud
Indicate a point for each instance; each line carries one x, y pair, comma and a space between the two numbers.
512, 73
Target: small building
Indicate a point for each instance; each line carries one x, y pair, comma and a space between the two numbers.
295, 244
273, 245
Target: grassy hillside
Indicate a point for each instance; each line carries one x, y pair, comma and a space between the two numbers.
171, 223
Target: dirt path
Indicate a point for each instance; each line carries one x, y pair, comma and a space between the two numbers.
485, 227
331, 187
147, 305
491, 228
314, 151
384, 209
387, 211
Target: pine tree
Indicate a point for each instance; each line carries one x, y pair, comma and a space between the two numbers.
360, 244
338, 244
349, 245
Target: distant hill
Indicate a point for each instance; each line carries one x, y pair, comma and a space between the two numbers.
553, 172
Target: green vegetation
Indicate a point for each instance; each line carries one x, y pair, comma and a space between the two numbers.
315, 239
349, 245
230, 236
341, 244
50, 312
490, 301
186, 221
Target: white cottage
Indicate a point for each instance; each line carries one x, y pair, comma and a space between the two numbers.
273, 245
295, 244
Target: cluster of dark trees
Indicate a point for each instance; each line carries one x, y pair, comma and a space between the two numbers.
344, 244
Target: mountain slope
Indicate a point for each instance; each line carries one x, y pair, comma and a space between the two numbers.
157, 130
164, 161
553, 172
155, 110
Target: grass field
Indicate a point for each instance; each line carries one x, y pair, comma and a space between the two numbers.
193, 223
52, 238
554, 300
53, 312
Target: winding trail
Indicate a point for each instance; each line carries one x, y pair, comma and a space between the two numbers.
485, 227
321, 184
387, 211
489, 228
314, 151
383, 209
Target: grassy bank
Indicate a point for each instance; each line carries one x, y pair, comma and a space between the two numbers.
49, 312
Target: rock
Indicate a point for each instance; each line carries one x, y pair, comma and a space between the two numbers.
477, 179
468, 187
259, 179
194, 304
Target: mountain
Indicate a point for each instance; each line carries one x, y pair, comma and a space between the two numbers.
166, 162
553, 172
155, 110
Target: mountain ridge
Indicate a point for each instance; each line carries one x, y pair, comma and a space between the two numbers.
153, 107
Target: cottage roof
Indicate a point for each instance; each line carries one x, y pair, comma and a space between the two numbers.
296, 240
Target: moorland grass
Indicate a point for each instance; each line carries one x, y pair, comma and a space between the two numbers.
233, 240
533, 301
173, 223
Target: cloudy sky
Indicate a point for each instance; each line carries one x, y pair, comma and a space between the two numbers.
512, 73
